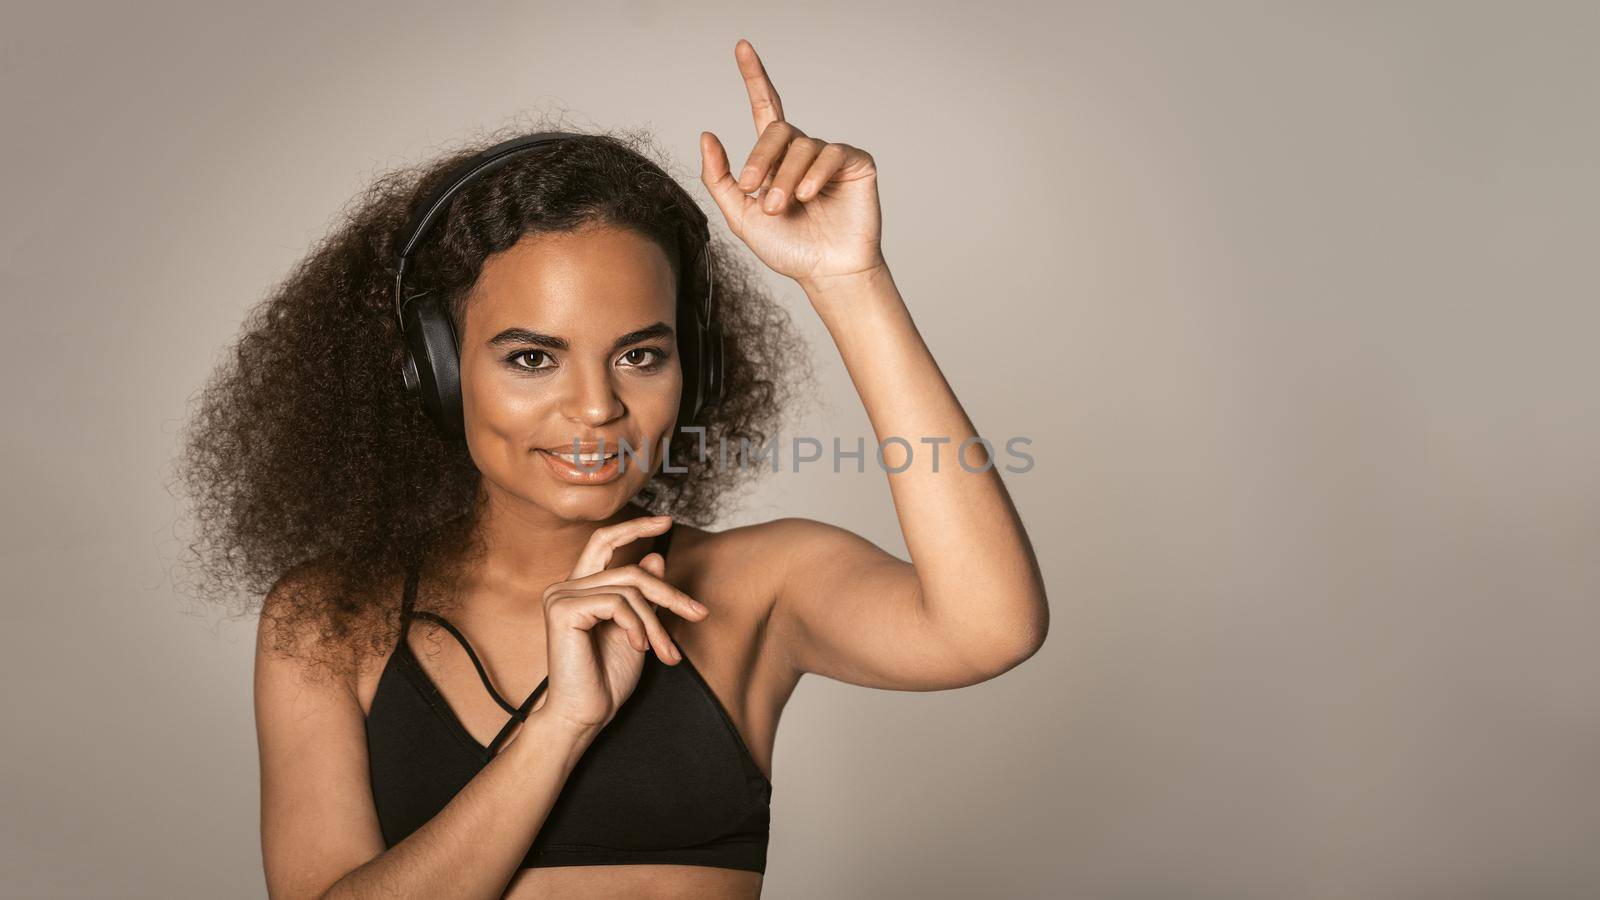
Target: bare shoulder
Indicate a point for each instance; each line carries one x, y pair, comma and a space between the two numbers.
298, 637
740, 573
743, 565
765, 553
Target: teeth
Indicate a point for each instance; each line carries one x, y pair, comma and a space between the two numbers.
587, 458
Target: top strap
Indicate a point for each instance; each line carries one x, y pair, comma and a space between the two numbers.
408, 597
521, 714
483, 675
408, 612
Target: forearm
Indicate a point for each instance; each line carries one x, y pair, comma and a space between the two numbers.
977, 571
474, 846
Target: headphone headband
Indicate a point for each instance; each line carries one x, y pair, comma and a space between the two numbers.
432, 362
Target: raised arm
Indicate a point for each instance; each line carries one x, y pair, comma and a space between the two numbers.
971, 603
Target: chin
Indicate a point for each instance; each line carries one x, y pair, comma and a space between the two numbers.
589, 503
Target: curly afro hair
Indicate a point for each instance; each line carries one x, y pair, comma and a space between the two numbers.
307, 462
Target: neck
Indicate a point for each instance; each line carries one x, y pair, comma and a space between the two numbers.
527, 548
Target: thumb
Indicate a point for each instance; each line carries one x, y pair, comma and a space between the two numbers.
729, 197
654, 563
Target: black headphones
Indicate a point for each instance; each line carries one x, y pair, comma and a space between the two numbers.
432, 364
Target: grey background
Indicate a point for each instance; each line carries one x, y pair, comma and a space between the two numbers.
1296, 301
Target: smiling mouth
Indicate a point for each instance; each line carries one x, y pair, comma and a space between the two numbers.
587, 459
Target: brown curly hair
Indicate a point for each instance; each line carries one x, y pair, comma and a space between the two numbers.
306, 455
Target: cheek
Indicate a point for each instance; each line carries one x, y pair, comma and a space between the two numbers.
655, 403
498, 409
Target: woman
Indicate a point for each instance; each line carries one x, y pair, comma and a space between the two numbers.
655, 657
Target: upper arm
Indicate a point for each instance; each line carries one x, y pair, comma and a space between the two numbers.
318, 821
848, 610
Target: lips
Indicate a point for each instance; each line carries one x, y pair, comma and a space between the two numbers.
582, 468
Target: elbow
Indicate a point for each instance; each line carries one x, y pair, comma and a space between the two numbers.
1035, 642
991, 642
1024, 638
1032, 629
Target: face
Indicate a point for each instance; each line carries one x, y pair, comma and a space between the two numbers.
567, 337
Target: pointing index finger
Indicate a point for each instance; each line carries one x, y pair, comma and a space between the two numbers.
765, 106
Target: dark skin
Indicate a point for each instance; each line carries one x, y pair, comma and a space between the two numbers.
569, 586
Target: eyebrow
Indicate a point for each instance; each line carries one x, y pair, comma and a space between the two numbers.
539, 339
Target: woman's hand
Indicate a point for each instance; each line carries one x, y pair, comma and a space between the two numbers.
600, 622
815, 216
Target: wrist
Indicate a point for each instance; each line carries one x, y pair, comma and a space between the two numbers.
544, 733
821, 286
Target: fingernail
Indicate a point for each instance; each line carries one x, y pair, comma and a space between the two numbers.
774, 197
697, 606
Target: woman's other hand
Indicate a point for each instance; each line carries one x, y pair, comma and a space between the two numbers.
600, 622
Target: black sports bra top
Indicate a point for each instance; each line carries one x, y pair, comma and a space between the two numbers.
668, 780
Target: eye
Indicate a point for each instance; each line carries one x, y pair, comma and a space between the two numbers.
658, 357
512, 359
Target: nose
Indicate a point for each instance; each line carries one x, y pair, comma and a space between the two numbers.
590, 396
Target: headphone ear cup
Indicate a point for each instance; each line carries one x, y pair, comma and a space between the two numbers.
713, 367
689, 402
702, 388
433, 364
